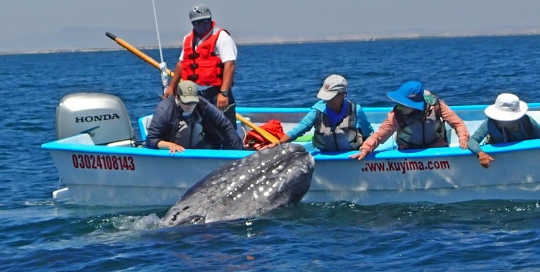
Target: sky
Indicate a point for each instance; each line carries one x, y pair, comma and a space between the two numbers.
38, 25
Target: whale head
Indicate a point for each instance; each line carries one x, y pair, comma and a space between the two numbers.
245, 188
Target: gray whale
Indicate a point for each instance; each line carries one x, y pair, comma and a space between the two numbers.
245, 188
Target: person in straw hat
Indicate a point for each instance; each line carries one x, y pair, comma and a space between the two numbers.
507, 122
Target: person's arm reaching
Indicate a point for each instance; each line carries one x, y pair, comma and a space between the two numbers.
386, 129
302, 127
474, 145
455, 122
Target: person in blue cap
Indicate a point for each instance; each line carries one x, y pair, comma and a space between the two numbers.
418, 118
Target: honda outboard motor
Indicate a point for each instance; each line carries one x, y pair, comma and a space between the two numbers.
103, 116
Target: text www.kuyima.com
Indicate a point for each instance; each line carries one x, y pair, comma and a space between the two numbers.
405, 165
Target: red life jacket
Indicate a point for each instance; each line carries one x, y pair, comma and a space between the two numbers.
201, 65
255, 140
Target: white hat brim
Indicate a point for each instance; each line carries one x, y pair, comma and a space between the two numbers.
326, 95
500, 115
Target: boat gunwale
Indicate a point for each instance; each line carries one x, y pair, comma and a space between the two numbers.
238, 154
366, 109
321, 156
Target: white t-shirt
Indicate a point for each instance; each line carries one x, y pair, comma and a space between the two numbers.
225, 47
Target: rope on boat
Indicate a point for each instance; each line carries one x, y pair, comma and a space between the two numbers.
162, 64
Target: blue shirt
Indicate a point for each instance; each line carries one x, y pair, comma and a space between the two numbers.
336, 117
309, 120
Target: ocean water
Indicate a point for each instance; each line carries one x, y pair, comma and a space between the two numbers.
37, 234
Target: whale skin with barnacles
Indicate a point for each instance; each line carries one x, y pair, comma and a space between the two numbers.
246, 188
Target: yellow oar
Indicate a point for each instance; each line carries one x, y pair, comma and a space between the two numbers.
154, 63
261, 131
137, 52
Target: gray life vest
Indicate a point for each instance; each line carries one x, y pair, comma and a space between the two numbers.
345, 136
421, 129
498, 134
189, 131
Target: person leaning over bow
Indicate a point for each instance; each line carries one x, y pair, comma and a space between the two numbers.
186, 120
340, 124
507, 122
418, 118
208, 58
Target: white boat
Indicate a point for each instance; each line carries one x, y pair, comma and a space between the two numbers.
99, 167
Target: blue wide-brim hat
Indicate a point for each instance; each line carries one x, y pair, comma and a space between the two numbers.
410, 94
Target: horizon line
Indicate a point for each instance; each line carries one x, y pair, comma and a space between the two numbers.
284, 41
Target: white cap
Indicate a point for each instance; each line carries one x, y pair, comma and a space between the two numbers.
507, 107
332, 85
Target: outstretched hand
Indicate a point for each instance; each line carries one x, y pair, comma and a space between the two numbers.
284, 139
359, 156
176, 148
463, 144
485, 159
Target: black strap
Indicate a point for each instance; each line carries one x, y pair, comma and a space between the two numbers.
527, 125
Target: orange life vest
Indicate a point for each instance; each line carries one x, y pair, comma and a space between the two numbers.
202, 65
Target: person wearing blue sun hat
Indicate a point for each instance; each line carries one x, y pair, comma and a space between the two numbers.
418, 118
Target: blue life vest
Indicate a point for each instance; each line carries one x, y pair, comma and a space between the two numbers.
497, 134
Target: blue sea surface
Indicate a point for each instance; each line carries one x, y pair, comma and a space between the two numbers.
37, 234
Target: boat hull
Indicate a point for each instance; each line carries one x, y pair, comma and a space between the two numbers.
143, 177
137, 176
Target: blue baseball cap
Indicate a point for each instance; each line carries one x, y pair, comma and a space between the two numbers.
410, 94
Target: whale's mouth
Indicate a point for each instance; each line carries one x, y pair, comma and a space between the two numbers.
191, 220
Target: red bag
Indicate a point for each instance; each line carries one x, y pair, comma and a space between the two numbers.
254, 140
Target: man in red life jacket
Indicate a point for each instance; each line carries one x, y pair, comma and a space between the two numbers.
208, 58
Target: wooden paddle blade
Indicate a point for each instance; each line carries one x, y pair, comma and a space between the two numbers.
267, 135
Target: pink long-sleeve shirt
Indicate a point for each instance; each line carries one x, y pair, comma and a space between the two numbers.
390, 125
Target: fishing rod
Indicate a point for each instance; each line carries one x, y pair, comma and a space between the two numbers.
162, 64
